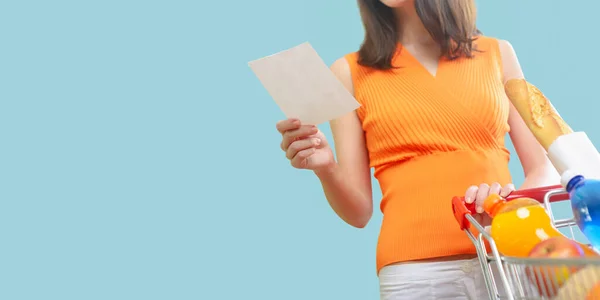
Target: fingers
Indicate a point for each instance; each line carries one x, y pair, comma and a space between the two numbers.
301, 159
289, 124
297, 141
507, 189
478, 194
292, 135
495, 188
471, 194
301, 145
482, 193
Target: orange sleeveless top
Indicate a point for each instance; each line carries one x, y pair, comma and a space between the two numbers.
429, 138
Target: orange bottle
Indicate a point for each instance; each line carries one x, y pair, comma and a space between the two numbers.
518, 225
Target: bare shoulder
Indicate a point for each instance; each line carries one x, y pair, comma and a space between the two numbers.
506, 48
510, 63
341, 69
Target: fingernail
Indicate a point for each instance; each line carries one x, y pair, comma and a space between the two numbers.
479, 209
317, 141
468, 199
296, 122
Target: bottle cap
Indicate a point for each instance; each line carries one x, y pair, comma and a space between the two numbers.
492, 203
566, 177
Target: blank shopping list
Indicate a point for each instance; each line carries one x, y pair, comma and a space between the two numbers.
303, 86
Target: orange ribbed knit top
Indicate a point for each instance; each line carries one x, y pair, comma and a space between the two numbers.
429, 138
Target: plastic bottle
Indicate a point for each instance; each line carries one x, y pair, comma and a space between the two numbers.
518, 225
585, 203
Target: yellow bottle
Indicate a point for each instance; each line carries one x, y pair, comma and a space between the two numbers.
518, 225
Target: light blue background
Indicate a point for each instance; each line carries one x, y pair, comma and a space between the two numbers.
139, 157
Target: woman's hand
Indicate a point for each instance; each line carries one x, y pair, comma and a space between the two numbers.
305, 145
478, 194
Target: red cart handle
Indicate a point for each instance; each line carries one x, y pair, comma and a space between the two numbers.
462, 209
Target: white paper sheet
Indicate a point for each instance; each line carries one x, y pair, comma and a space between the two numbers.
303, 86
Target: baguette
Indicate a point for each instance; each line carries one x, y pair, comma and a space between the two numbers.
537, 111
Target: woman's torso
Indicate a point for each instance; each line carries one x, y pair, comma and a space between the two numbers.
429, 138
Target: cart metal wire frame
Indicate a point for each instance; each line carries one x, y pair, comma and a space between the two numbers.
529, 278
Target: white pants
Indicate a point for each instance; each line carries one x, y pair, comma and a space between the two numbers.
459, 279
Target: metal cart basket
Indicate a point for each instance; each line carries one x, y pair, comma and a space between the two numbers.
529, 278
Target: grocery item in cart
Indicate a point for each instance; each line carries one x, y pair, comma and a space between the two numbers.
585, 202
557, 268
581, 285
594, 293
549, 278
519, 225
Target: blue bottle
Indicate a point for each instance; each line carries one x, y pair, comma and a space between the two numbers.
585, 203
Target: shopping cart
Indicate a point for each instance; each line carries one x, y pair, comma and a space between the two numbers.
528, 278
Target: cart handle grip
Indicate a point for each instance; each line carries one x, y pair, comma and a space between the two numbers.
462, 209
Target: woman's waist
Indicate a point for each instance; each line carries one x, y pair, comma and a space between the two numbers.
443, 175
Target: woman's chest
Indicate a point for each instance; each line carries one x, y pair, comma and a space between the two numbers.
464, 98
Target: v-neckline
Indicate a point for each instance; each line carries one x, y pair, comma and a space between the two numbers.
419, 64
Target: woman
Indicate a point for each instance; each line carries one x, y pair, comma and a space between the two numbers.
432, 122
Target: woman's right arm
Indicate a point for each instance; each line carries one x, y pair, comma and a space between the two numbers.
347, 183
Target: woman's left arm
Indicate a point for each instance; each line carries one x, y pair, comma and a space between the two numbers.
537, 168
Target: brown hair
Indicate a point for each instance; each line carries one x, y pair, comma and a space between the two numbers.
451, 24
